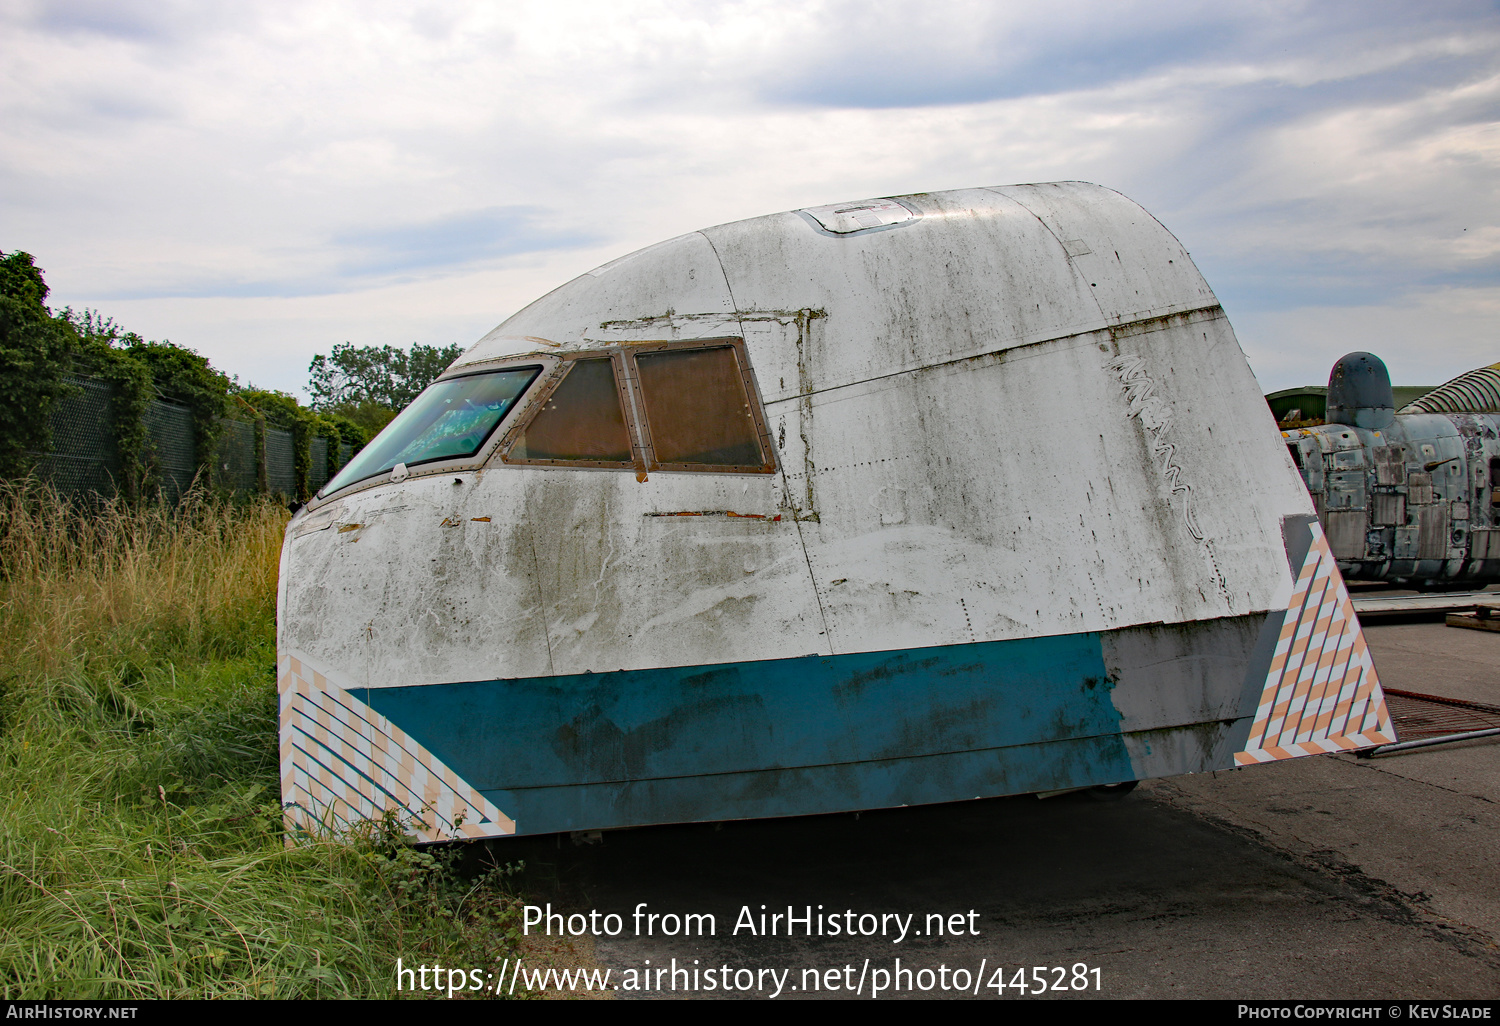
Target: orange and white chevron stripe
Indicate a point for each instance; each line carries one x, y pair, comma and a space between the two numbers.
1321, 693
343, 764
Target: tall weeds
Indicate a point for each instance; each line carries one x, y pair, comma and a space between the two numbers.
141, 852
133, 583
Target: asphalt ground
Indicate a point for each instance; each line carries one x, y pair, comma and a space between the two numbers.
1322, 877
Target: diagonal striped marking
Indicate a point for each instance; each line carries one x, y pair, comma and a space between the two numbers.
341, 762
1321, 693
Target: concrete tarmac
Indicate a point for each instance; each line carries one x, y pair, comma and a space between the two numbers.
1320, 877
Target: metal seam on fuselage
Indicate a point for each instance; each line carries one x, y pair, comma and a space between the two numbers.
1103, 328
1145, 624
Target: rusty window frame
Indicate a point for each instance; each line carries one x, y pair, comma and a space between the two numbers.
633, 405
540, 397
752, 401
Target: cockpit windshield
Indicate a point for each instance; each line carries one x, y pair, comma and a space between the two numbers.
451, 419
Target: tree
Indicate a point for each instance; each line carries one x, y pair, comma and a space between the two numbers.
425, 363
354, 377
21, 278
35, 357
384, 376
368, 386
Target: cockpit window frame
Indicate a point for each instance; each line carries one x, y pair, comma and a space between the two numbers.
752, 398
633, 403
544, 391
521, 409
495, 452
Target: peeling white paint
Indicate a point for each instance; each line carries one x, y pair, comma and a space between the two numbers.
958, 458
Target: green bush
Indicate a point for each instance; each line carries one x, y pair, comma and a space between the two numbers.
35, 358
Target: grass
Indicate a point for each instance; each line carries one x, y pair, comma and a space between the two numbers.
141, 850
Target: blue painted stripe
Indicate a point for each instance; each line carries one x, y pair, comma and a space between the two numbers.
797, 735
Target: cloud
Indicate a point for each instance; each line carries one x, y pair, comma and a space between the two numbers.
454, 239
1313, 156
977, 53
357, 260
1424, 338
155, 22
862, 54
142, 20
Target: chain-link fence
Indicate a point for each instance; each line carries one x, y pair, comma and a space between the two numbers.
281, 461
234, 462
248, 457
317, 471
168, 452
84, 457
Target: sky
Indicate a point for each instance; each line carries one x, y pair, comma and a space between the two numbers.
260, 181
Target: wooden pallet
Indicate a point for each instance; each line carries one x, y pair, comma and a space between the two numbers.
1485, 617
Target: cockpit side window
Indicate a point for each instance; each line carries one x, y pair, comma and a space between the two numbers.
659, 406
699, 413
581, 423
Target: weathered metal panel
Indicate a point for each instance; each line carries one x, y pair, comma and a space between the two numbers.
434, 603
1390, 464
1105, 235
1407, 543
1346, 532
569, 567
1419, 489
903, 548
978, 273
625, 587
998, 716
1345, 459
1484, 544
1387, 509
1173, 676
674, 289
1346, 490
1432, 532
761, 715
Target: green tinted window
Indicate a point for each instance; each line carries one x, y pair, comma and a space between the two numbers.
451, 419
